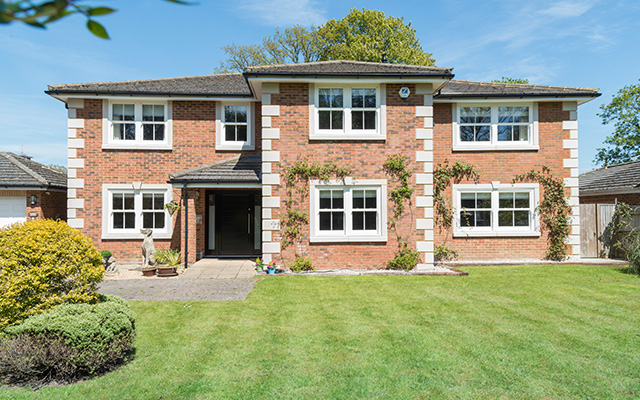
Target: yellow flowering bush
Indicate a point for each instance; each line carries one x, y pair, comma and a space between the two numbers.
44, 263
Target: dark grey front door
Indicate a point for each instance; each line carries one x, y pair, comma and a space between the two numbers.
236, 225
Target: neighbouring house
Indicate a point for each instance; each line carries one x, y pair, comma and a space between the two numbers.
219, 146
30, 190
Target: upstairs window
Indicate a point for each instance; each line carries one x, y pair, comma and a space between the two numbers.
234, 126
131, 124
347, 113
495, 127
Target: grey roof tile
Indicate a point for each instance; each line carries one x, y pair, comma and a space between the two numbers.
19, 171
203, 85
240, 168
460, 89
625, 176
345, 67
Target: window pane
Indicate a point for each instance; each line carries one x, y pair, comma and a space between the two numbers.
147, 112
505, 218
129, 220
338, 201
337, 221
230, 133
505, 133
483, 133
466, 133
147, 201
370, 98
118, 201
158, 202
336, 119
484, 200
118, 112
118, 220
467, 219
357, 98
521, 218
357, 120
506, 200
118, 131
521, 133
242, 133
336, 98
325, 221
325, 199
468, 200
147, 132
358, 220
522, 200
520, 114
241, 115
358, 199
324, 119
370, 199
158, 113
159, 132
324, 98
369, 120
159, 220
128, 201
129, 112
147, 220
475, 115
370, 220
130, 132
229, 114
483, 218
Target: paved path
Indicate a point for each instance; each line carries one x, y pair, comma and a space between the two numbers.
179, 289
215, 268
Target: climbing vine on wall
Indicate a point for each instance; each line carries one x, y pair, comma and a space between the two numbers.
553, 208
443, 175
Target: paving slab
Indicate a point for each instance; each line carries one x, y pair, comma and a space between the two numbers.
179, 289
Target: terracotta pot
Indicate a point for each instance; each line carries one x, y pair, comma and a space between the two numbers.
148, 272
167, 271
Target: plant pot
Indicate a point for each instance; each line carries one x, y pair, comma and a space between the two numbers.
167, 271
148, 272
271, 271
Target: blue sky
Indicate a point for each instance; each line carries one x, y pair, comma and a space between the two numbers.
585, 43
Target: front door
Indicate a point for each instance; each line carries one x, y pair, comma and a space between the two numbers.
233, 224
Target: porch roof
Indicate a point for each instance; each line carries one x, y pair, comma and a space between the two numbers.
237, 169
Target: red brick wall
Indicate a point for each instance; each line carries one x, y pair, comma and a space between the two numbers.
364, 158
502, 166
630, 198
49, 204
194, 129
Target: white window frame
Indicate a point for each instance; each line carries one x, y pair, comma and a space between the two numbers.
108, 141
494, 144
221, 142
348, 235
347, 133
495, 189
137, 189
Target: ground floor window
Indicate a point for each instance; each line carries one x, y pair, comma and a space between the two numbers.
348, 212
127, 210
496, 210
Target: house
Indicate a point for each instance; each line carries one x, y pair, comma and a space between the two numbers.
220, 147
30, 190
619, 183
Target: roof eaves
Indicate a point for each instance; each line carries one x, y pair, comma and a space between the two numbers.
145, 93
521, 95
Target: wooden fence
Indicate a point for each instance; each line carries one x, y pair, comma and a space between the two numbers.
596, 222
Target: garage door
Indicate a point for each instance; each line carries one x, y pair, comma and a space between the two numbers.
12, 210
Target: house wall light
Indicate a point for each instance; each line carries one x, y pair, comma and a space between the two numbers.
33, 199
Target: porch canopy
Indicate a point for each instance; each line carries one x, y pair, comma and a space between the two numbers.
237, 171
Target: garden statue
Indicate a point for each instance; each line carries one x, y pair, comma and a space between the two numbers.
148, 249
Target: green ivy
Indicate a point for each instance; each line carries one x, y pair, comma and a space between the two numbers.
443, 174
554, 210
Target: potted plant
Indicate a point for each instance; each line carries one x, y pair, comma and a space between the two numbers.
172, 207
168, 262
271, 268
106, 254
259, 264
149, 271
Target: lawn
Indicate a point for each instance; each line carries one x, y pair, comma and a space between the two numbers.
523, 332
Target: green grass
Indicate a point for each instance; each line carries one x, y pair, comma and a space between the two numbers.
524, 332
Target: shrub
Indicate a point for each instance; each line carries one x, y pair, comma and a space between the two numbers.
105, 253
405, 259
170, 258
633, 255
68, 342
44, 263
444, 253
302, 264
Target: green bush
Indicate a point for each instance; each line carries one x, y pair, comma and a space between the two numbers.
302, 264
633, 255
405, 259
44, 263
444, 253
105, 253
67, 343
170, 258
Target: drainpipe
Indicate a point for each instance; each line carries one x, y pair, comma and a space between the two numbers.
186, 224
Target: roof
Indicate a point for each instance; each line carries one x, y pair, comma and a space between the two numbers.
202, 85
241, 168
612, 178
459, 88
18, 171
344, 67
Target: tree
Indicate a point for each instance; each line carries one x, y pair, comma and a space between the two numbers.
624, 111
361, 35
41, 14
518, 81
58, 167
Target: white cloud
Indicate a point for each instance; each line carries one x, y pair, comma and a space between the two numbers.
567, 9
284, 12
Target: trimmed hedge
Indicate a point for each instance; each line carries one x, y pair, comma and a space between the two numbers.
67, 343
44, 263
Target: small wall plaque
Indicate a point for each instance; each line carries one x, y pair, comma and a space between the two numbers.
404, 92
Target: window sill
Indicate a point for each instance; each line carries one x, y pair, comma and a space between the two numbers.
134, 236
352, 136
233, 147
496, 234
136, 146
348, 239
495, 147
